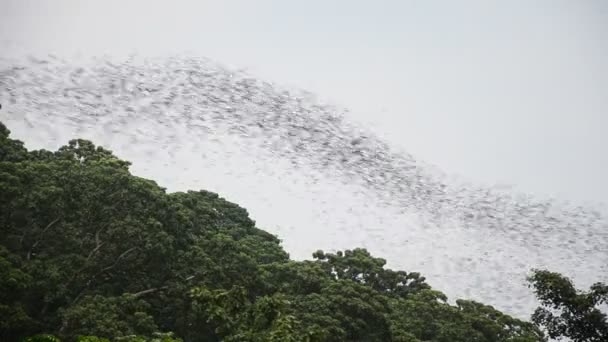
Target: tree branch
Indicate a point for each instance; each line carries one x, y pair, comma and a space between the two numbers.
125, 253
152, 290
29, 253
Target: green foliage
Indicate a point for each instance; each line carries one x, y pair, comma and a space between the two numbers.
10, 150
42, 338
91, 339
109, 316
567, 312
359, 266
91, 253
156, 337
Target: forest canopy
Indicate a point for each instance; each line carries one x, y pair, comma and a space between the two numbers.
90, 252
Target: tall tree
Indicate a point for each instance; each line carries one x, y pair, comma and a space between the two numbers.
90, 252
568, 312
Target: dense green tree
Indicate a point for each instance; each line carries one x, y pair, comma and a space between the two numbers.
10, 150
359, 266
568, 312
109, 316
91, 253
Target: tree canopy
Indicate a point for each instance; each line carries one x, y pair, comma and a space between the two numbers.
91, 253
568, 312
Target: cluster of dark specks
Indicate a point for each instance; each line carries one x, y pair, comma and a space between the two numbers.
176, 114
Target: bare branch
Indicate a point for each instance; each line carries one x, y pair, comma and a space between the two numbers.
97, 242
145, 292
48, 226
124, 254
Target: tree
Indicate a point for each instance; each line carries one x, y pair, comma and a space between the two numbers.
568, 312
360, 266
109, 317
91, 253
427, 316
10, 150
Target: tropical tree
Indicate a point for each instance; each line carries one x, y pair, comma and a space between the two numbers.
568, 312
91, 253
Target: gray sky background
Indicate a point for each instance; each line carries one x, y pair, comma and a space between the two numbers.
511, 92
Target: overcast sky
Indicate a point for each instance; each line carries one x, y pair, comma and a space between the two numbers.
509, 92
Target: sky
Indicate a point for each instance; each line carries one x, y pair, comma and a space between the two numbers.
497, 92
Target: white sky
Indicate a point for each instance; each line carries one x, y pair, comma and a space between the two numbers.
495, 91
